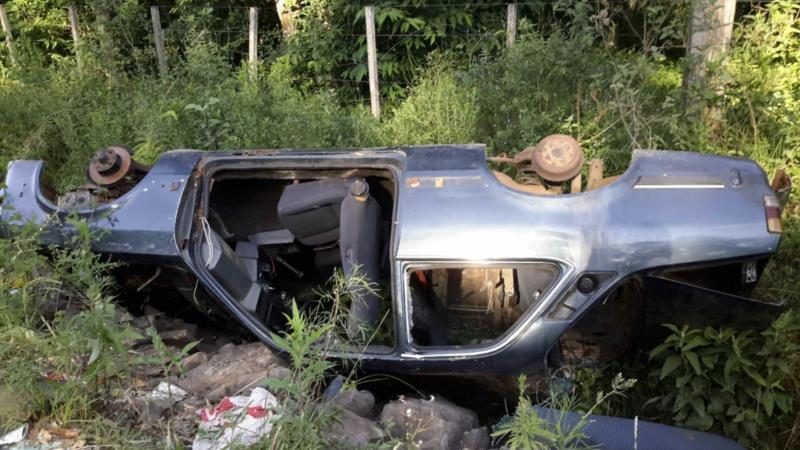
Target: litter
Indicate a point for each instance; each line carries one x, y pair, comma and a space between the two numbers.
236, 420
14, 436
167, 391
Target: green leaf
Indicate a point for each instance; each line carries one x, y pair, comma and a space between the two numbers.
694, 361
683, 379
659, 349
729, 366
783, 401
699, 384
768, 400
699, 406
715, 407
710, 360
695, 342
755, 376
670, 364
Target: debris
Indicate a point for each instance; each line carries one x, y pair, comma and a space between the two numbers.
233, 368
154, 404
14, 436
475, 439
431, 424
180, 336
167, 391
356, 401
618, 432
239, 420
194, 360
280, 372
45, 436
352, 430
334, 387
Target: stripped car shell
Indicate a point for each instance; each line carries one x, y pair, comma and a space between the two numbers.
689, 231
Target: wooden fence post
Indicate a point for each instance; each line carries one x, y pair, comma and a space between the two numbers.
511, 24
253, 47
372, 62
9, 37
710, 33
72, 12
158, 36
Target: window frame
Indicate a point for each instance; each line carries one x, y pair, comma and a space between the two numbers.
562, 280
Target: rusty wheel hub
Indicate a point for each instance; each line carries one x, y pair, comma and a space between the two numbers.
557, 158
109, 166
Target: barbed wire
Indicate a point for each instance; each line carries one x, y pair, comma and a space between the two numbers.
234, 39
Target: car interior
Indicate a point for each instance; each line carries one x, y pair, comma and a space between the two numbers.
277, 236
473, 306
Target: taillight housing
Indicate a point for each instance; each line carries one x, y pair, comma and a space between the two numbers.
772, 209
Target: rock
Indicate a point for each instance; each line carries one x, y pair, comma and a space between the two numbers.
334, 387
180, 336
141, 322
280, 373
230, 347
154, 405
429, 424
475, 439
229, 371
236, 385
359, 402
194, 360
152, 410
352, 430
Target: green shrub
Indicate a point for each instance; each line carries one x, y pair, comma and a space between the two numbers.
527, 430
439, 110
65, 365
761, 104
730, 381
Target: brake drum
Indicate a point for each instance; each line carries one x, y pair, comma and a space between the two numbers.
557, 158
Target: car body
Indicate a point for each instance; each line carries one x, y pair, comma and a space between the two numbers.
686, 232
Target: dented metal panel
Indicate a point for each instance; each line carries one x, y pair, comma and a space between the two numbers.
669, 209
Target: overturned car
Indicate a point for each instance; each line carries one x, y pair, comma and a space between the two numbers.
473, 273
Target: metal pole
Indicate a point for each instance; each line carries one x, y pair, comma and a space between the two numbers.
9, 37
72, 12
372, 62
511, 24
158, 36
253, 48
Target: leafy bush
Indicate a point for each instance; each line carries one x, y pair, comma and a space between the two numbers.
57, 362
761, 103
439, 110
611, 102
63, 116
726, 380
527, 430
328, 48
310, 336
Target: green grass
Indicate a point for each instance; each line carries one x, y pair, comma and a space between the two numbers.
613, 101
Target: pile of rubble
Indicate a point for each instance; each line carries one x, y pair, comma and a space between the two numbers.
213, 394
432, 423
213, 379
234, 373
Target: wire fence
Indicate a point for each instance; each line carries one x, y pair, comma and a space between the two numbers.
233, 29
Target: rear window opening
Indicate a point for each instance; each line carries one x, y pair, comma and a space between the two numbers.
472, 306
276, 236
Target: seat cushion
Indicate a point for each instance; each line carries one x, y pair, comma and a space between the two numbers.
310, 211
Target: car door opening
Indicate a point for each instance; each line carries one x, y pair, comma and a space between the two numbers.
273, 237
